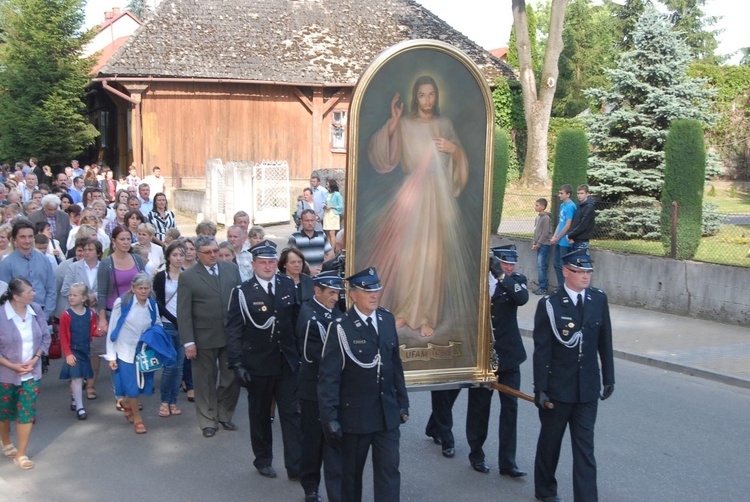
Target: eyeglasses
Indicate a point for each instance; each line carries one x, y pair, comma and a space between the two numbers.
209, 251
576, 271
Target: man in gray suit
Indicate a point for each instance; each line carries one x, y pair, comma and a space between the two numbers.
59, 223
203, 294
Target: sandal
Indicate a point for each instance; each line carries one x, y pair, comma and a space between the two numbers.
164, 410
128, 414
23, 462
91, 393
9, 450
140, 428
174, 410
118, 405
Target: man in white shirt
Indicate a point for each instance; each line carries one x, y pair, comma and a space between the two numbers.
155, 181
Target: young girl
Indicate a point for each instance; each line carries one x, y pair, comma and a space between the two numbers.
77, 327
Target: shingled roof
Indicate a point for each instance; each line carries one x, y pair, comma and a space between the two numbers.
324, 42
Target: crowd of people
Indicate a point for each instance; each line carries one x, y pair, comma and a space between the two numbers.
100, 269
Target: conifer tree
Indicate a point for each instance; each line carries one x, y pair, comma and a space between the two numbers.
648, 90
43, 79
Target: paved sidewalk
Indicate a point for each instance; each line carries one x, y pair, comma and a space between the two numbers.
695, 347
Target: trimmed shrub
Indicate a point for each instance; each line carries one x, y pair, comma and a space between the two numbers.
571, 164
500, 165
684, 176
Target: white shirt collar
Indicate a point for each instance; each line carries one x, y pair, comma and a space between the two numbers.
208, 269
364, 317
12, 313
574, 294
264, 283
329, 310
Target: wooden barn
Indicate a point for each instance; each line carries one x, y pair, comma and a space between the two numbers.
253, 80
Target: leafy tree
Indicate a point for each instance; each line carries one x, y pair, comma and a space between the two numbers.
648, 90
538, 101
42, 85
536, 49
139, 8
691, 22
589, 49
745, 61
500, 165
626, 17
684, 175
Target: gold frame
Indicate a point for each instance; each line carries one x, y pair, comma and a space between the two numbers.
432, 378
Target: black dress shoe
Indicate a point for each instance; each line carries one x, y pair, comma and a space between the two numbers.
312, 497
449, 452
435, 438
553, 498
228, 426
513, 473
480, 466
209, 432
267, 471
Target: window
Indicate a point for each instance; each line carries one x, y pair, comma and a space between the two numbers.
338, 131
103, 127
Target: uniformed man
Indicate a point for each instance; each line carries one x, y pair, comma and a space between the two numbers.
571, 327
312, 325
507, 292
362, 392
263, 354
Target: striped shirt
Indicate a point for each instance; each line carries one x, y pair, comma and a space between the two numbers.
162, 224
313, 248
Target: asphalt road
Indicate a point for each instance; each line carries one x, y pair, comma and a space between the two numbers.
662, 437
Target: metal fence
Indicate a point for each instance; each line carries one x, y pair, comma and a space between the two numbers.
726, 237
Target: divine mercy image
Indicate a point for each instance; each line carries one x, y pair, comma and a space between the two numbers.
418, 208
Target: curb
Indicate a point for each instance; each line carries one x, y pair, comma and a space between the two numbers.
670, 366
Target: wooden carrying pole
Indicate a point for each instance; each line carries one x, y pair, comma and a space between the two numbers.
517, 393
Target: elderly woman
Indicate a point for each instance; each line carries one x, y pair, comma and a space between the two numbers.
122, 340
292, 263
88, 218
100, 211
86, 271
24, 339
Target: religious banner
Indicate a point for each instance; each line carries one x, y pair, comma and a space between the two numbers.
419, 181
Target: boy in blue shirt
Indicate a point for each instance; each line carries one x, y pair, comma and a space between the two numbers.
560, 239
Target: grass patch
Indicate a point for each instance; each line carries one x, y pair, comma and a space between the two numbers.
638, 246
728, 198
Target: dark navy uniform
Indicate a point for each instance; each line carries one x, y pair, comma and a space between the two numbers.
568, 346
362, 388
510, 293
267, 349
312, 325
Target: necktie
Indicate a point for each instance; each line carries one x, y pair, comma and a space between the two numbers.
579, 306
370, 325
213, 271
270, 289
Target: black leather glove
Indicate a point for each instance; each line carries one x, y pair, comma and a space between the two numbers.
333, 434
607, 391
539, 399
496, 268
242, 375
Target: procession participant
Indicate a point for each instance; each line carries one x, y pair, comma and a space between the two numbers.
571, 327
263, 354
508, 291
362, 391
314, 318
203, 293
